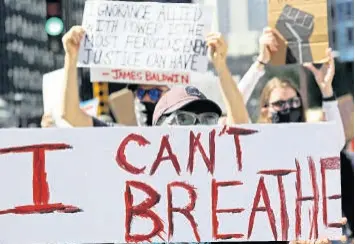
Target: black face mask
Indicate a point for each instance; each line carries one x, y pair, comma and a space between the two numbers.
149, 111
292, 115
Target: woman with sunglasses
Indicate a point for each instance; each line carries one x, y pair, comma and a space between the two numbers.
280, 100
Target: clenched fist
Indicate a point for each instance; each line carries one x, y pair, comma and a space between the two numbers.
71, 41
296, 27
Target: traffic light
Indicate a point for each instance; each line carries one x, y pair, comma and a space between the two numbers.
101, 91
54, 25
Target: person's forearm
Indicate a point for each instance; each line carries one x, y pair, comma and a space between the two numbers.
249, 81
332, 113
70, 104
233, 99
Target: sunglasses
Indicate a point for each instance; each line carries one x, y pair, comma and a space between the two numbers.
154, 94
281, 105
184, 118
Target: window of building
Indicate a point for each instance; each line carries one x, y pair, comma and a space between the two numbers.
349, 10
340, 11
350, 36
332, 12
334, 39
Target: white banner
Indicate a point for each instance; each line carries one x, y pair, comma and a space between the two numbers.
187, 184
139, 77
145, 36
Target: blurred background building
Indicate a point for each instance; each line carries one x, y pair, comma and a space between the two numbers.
30, 52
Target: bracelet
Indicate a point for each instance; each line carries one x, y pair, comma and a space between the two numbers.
261, 62
330, 99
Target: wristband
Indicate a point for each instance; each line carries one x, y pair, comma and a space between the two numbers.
330, 99
261, 62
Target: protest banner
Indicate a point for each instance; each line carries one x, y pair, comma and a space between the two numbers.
302, 30
145, 36
177, 184
144, 77
90, 106
51, 91
51, 87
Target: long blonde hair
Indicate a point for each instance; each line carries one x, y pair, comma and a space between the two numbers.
265, 97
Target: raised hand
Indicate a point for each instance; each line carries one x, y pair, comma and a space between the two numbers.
324, 76
267, 45
218, 49
71, 41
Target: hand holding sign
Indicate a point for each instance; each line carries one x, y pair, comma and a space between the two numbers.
71, 41
324, 76
218, 49
267, 45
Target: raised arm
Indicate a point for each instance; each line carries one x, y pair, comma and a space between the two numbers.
267, 46
236, 110
70, 103
324, 78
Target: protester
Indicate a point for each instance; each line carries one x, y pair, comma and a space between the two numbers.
47, 121
186, 106
70, 109
146, 97
280, 100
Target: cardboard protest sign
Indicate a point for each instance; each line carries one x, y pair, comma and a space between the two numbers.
122, 107
145, 36
139, 77
90, 106
51, 87
302, 30
177, 184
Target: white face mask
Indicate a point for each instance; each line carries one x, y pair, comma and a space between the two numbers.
144, 112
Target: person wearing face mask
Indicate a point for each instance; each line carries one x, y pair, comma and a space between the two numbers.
281, 102
146, 97
70, 107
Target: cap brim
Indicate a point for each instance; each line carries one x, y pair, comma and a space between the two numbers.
204, 105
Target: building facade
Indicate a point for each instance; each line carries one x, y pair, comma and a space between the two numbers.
24, 44
342, 28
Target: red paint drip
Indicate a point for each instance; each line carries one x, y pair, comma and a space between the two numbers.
236, 132
165, 146
214, 211
262, 192
332, 163
277, 172
121, 158
41, 194
186, 211
142, 210
314, 225
285, 224
195, 143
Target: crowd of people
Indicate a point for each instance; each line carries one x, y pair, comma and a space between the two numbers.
280, 99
